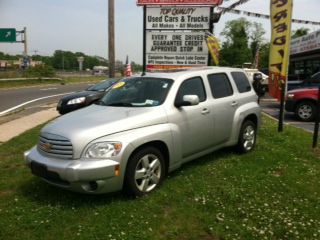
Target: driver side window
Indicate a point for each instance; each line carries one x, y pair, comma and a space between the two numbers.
192, 86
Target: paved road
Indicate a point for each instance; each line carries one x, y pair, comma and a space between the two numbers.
10, 98
271, 107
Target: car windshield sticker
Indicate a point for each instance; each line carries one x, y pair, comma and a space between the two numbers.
118, 85
165, 85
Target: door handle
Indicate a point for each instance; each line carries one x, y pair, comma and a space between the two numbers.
234, 103
205, 111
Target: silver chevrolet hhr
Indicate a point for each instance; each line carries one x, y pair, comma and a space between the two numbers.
145, 127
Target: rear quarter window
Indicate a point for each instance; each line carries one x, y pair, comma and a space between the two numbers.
241, 81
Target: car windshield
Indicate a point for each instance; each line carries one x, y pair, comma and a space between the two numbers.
138, 92
101, 86
316, 76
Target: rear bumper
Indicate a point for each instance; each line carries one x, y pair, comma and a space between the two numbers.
83, 175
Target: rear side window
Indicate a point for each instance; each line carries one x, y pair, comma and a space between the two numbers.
192, 86
241, 81
220, 85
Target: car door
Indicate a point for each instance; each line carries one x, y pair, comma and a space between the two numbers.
223, 106
194, 122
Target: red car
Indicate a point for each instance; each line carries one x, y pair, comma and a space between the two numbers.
302, 102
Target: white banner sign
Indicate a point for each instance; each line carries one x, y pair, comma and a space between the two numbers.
176, 48
305, 43
172, 18
176, 60
176, 43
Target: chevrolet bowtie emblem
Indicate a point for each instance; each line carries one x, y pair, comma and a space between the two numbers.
47, 146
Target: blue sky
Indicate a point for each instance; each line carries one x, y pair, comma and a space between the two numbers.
82, 25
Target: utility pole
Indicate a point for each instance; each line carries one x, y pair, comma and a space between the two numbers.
111, 39
25, 53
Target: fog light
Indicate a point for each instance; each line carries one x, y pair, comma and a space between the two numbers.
25, 154
117, 170
93, 186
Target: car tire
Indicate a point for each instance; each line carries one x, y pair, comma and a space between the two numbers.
305, 111
247, 137
145, 171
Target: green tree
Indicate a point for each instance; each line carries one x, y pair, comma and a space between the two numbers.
264, 55
256, 36
65, 60
299, 32
136, 67
235, 50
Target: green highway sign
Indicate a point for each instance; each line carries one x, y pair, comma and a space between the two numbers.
7, 35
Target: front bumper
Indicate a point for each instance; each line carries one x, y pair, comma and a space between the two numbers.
290, 105
63, 108
82, 175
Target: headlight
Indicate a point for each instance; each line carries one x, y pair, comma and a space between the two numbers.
103, 150
290, 95
76, 101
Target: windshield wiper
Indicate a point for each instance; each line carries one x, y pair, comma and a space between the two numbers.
120, 104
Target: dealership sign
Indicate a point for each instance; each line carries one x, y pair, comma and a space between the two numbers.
179, 2
305, 43
173, 18
176, 48
174, 33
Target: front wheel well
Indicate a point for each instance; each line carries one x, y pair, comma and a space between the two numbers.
252, 117
304, 100
161, 146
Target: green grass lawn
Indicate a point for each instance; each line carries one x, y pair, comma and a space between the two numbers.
35, 81
270, 193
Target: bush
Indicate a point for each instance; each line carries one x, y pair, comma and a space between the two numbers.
40, 71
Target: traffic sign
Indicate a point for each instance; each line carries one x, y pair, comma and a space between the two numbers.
7, 35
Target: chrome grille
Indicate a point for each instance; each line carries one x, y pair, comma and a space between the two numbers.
55, 146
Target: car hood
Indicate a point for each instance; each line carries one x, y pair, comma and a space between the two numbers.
79, 94
303, 90
293, 82
95, 121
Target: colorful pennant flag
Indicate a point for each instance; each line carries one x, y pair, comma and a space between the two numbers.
281, 13
213, 46
128, 71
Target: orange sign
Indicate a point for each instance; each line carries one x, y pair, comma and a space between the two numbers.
151, 67
179, 2
281, 15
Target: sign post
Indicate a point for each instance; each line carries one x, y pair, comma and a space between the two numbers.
8, 35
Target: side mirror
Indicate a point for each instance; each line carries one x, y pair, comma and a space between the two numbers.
188, 100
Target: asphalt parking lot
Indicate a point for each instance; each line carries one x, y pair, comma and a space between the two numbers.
271, 107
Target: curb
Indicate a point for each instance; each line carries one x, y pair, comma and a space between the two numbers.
18, 126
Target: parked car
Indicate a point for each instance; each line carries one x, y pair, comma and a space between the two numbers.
145, 127
314, 81
302, 102
82, 99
